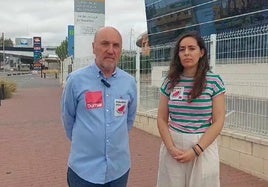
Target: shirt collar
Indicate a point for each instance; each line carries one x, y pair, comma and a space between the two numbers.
99, 73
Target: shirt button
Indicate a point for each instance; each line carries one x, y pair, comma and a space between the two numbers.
107, 110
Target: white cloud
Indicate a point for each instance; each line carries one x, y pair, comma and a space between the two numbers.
50, 18
129, 17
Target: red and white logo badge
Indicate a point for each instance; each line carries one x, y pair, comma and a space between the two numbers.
177, 93
120, 107
94, 100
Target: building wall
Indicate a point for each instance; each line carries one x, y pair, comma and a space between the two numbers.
145, 47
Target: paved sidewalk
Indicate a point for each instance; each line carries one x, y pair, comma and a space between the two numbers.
34, 149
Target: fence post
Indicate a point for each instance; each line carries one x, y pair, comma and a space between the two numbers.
138, 79
213, 45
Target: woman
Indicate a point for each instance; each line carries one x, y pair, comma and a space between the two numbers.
191, 115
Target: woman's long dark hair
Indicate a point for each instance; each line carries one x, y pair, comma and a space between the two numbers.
176, 68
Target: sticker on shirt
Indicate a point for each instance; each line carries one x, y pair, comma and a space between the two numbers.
94, 100
177, 93
120, 107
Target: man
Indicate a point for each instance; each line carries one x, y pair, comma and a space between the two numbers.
99, 105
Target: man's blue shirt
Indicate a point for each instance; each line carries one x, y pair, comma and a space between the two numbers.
97, 119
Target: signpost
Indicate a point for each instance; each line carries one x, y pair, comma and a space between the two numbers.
37, 49
4, 57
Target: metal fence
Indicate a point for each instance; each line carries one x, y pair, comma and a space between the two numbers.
240, 57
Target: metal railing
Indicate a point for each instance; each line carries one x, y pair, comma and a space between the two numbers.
241, 58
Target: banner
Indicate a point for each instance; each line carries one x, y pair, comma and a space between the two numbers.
70, 40
23, 42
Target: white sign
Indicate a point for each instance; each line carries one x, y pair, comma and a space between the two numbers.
89, 16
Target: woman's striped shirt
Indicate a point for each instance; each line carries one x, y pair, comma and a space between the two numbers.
194, 117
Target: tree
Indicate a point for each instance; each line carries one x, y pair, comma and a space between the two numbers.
8, 42
145, 64
62, 50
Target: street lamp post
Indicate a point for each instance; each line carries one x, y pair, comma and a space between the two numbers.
3, 44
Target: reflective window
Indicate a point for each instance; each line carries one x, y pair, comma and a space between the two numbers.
166, 19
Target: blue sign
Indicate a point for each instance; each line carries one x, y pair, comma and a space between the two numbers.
37, 54
71, 40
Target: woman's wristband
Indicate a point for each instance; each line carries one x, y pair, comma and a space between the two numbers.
195, 151
200, 147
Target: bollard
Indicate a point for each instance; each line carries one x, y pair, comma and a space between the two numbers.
56, 75
45, 75
2, 93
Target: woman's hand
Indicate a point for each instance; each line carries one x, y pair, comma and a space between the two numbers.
174, 152
185, 156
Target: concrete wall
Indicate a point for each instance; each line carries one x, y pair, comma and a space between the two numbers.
242, 151
240, 79
245, 79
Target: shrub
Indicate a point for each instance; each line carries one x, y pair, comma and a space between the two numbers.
51, 71
9, 87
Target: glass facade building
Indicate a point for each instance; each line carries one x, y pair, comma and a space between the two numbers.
167, 19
